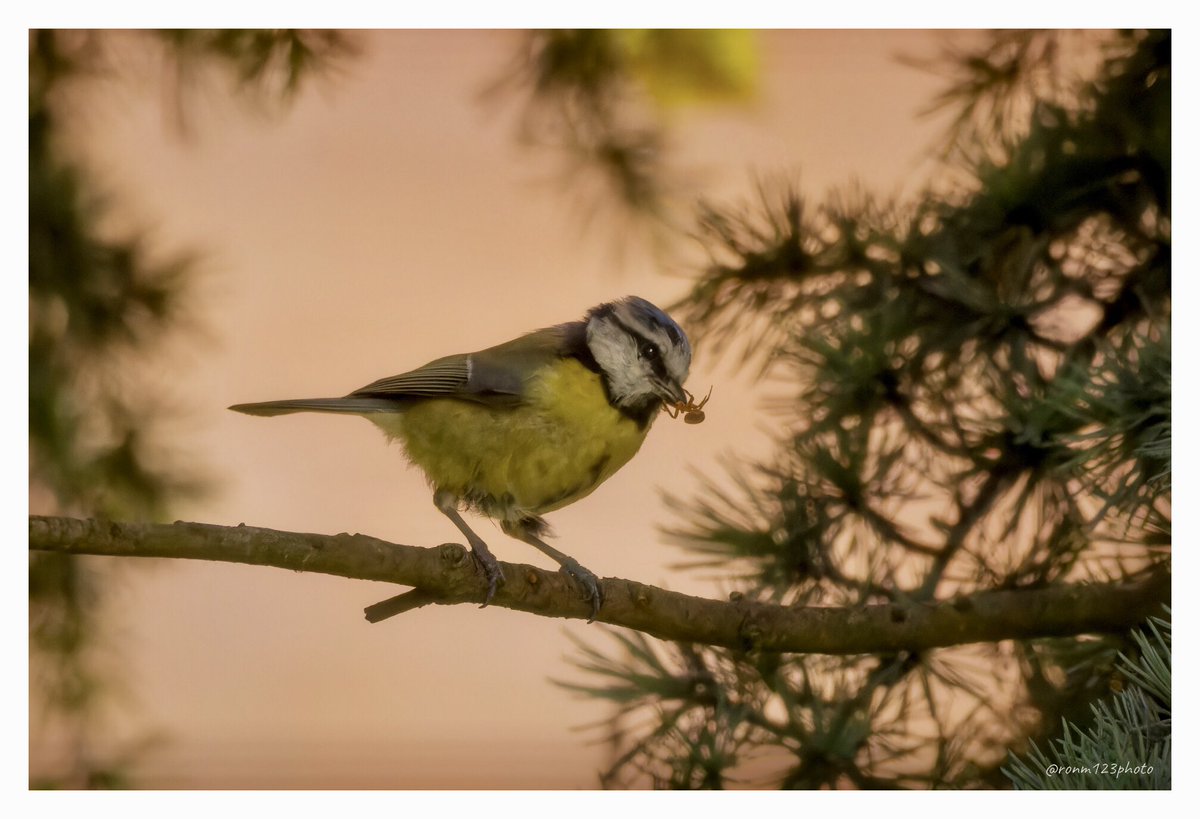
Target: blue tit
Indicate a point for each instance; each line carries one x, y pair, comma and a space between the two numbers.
528, 426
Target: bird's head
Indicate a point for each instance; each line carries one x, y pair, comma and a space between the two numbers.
643, 354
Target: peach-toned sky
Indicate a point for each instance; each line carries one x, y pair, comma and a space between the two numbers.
389, 218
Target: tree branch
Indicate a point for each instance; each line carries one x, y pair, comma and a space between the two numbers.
447, 575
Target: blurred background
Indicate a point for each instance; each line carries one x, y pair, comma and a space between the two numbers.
224, 217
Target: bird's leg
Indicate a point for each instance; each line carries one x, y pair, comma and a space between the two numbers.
447, 503
524, 530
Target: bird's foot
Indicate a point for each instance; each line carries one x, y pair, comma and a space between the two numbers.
589, 582
491, 570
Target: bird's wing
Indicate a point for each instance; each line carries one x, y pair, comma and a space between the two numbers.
445, 376
497, 375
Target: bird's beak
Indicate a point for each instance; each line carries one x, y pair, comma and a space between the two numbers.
670, 392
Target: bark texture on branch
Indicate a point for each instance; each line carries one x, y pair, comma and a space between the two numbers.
446, 574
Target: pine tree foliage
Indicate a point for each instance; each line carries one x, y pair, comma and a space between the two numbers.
980, 400
596, 99
1128, 743
100, 303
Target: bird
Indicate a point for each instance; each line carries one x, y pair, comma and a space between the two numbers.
531, 425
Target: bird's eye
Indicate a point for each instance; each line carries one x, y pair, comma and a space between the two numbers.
647, 351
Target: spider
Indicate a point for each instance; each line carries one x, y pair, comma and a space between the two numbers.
693, 413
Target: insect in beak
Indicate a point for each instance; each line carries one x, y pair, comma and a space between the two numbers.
693, 413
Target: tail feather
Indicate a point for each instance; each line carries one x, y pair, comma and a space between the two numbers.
353, 406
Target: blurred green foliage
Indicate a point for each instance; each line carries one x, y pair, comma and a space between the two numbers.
100, 302
978, 398
599, 98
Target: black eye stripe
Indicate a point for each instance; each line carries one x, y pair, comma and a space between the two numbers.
657, 364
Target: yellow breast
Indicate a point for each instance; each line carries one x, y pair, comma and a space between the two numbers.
529, 459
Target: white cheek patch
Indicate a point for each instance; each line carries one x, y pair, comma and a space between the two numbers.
616, 354
614, 339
